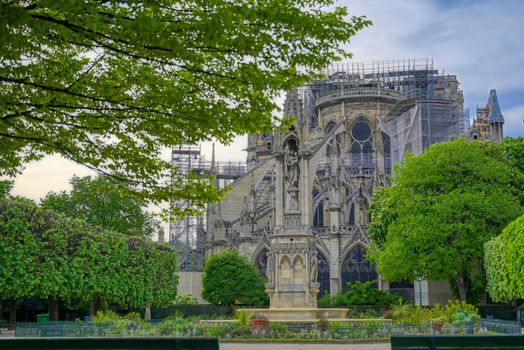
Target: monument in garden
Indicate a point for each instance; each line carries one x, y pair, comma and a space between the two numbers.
299, 207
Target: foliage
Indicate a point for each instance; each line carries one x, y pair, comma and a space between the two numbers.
328, 300
105, 318
110, 84
400, 309
444, 205
50, 256
504, 261
242, 317
452, 312
230, 278
464, 317
278, 329
365, 294
417, 315
185, 300
361, 293
5, 188
98, 202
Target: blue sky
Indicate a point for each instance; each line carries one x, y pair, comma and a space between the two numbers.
482, 42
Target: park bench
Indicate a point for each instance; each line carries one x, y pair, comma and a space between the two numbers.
458, 342
151, 343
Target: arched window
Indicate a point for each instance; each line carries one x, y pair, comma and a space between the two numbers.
351, 220
261, 262
323, 274
361, 149
285, 270
292, 145
298, 271
357, 268
318, 217
387, 150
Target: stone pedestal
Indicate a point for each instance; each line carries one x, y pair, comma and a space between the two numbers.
293, 257
299, 314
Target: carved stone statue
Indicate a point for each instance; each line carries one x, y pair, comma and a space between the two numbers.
270, 268
293, 170
313, 268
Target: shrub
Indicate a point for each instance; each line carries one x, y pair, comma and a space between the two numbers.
360, 294
242, 317
365, 294
107, 318
230, 278
185, 300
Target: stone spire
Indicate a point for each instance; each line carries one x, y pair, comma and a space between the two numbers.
495, 115
495, 118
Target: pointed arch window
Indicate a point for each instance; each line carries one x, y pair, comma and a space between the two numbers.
261, 262
298, 271
361, 150
323, 274
357, 268
351, 219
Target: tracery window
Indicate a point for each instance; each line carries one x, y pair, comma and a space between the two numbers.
351, 219
361, 149
323, 274
357, 268
261, 262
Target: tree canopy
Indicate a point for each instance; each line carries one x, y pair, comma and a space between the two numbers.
47, 255
97, 202
443, 206
504, 263
230, 278
110, 84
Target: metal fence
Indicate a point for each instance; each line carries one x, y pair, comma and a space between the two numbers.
345, 330
501, 326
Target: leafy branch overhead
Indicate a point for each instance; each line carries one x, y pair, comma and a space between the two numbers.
109, 84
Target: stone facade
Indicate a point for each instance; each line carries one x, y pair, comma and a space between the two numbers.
489, 122
301, 211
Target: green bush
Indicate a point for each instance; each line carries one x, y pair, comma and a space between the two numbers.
230, 279
359, 294
365, 294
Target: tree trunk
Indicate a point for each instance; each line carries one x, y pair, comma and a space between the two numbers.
94, 306
462, 288
12, 313
53, 309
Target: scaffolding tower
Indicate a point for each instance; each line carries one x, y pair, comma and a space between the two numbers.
187, 234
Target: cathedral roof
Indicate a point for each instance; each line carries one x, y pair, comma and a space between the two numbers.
495, 115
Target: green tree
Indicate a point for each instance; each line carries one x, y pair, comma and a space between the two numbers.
34, 260
444, 205
230, 278
110, 84
504, 262
5, 188
97, 201
19, 252
48, 255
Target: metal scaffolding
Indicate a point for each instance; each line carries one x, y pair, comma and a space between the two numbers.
426, 105
187, 234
